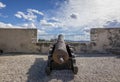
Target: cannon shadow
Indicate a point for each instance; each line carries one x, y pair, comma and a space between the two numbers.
36, 73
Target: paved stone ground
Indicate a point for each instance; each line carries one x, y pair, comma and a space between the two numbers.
30, 68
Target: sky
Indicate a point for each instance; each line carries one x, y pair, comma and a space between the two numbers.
60, 16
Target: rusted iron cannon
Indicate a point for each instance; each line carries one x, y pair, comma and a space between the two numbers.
60, 57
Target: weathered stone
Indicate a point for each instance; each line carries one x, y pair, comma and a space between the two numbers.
18, 40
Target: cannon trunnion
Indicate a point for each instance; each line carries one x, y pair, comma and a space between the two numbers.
60, 57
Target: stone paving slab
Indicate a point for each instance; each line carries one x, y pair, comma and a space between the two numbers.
30, 68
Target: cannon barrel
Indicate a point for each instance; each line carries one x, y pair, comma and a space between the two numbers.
60, 54
61, 57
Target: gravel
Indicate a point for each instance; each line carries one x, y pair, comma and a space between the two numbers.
31, 67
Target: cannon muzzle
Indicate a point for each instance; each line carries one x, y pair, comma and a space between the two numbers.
61, 60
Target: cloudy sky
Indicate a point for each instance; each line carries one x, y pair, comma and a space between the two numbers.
60, 16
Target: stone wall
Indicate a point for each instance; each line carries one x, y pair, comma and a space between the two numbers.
18, 40
78, 47
103, 40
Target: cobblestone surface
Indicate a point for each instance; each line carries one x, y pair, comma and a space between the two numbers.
30, 68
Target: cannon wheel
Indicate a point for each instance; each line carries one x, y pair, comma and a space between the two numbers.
75, 69
48, 70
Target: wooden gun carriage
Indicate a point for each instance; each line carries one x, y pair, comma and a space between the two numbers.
61, 57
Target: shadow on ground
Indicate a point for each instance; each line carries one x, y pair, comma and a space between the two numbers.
19, 53
37, 73
98, 55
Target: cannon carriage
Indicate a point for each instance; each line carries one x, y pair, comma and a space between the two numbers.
61, 57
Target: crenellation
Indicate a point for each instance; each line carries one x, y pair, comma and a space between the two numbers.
103, 40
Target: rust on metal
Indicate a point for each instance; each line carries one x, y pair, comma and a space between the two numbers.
60, 54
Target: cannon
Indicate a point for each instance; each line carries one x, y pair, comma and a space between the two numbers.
61, 57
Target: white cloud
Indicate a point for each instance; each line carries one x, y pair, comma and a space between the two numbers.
54, 19
20, 14
78, 16
91, 13
41, 32
51, 26
8, 25
29, 25
29, 15
47, 24
2, 5
5, 25
35, 11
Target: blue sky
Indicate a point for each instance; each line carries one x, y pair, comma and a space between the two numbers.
60, 16
29, 16
12, 6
